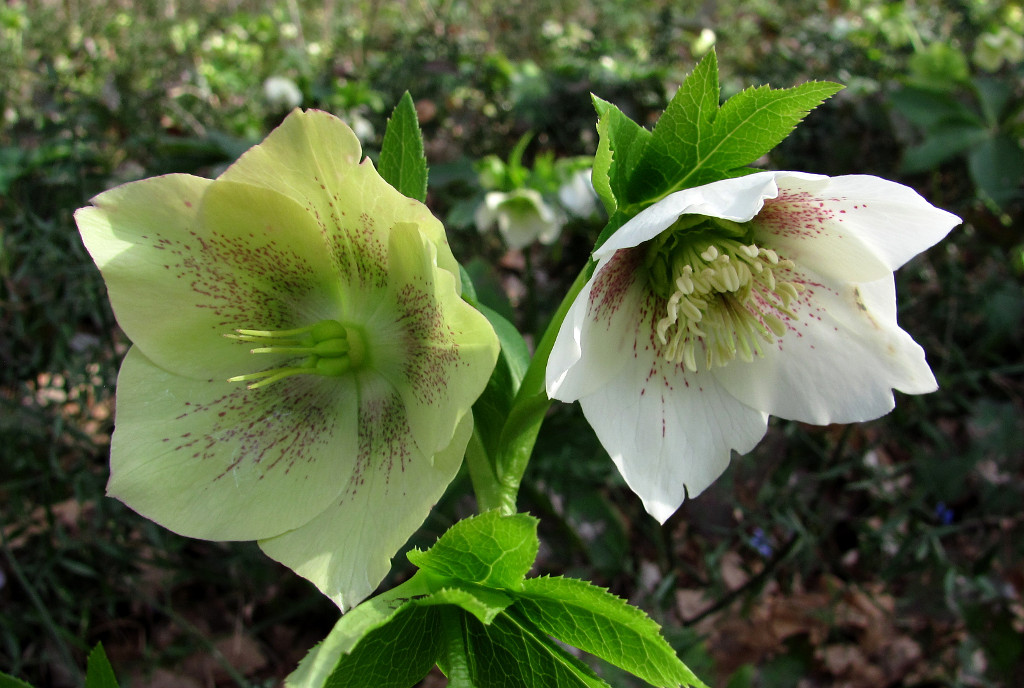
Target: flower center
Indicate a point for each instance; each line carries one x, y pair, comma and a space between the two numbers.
721, 291
329, 349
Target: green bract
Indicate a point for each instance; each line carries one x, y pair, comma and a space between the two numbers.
303, 366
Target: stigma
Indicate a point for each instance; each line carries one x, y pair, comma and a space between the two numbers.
327, 348
725, 297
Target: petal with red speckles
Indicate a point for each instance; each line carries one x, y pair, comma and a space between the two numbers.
841, 362
213, 459
430, 345
314, 158
857, 228
670, 432
187, 261
347, 549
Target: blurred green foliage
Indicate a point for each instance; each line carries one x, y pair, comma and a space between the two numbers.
920, 509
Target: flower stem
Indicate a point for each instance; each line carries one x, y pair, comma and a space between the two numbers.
531, 403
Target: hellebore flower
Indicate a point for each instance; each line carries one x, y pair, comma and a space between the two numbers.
577, 195
522, 217
766, 294
303, 366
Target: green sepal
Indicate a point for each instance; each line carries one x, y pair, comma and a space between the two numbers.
490, 549
402, 162
592, 619
98, 672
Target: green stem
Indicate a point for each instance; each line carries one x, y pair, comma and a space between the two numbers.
486, 484
531, 403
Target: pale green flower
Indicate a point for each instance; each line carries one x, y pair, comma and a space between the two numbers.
996, 47
303, 366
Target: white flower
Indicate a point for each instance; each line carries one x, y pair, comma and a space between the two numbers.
577, 195
522, 217
281, 93
766, 294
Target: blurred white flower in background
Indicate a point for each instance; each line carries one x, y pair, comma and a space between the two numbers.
281, 93
577, 195
521, 215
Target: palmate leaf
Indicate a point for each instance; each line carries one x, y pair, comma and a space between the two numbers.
696, 142
402, 163
470, 610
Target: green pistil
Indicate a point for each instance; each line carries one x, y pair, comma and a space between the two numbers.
330, 350
721, 292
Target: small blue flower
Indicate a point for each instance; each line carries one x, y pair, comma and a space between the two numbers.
944, 513
761, 543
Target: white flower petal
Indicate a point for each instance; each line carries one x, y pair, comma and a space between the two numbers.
737, 199
857, 227
599, 331
669, 432
840, 360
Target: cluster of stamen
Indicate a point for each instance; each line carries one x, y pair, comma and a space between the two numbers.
722, 292
326, 348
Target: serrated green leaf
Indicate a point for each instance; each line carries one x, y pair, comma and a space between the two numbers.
402, 163
492, 550
396, 655
98, 672
8, 681
595, 621
483, 603
696, 142
621, 144
756, 120
683, 131
351, 628
510, 653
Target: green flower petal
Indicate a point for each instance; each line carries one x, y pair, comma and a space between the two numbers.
313, 157
215, 460
347, 550
435, 350
187, 261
